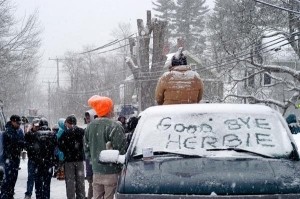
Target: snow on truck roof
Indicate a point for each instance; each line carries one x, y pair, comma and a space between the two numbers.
209, 108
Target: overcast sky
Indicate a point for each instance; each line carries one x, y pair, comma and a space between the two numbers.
73, 24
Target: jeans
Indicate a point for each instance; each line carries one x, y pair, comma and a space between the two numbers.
74, 178
31, 169
42, 181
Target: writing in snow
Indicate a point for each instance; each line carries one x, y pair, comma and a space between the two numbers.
239, 132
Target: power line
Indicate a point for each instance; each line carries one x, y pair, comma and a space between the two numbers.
113, 49
107, 45
278, 7
227, 63
104, 46
242, 37
227, 58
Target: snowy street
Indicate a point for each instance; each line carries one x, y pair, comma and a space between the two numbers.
58, 188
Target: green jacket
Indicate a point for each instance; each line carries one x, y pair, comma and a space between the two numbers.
97, 134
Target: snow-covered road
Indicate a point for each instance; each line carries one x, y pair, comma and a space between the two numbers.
58, 188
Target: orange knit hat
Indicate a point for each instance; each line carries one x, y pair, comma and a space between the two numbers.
101, 105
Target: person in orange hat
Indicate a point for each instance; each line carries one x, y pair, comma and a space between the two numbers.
101, 134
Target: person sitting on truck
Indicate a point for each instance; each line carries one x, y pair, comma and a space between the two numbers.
180, 85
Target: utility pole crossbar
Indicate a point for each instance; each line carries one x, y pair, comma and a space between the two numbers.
57, 68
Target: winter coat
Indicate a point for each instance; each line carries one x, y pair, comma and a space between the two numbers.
44, 144
71, 144
180, 85
13, 142
98, 133
61, 129
88, 164
293, 123
30, 141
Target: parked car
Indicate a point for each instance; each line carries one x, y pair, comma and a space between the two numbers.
209, 151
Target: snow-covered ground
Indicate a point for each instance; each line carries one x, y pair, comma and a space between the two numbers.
58, 188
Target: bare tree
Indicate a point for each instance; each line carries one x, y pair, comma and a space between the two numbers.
244, 36
19, 45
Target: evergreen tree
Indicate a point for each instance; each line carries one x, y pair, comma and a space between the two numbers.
189, 23
166, 10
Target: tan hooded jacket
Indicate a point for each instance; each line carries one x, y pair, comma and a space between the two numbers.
180, 85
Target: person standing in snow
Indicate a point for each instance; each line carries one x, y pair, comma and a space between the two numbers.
88, 117
71, 144
13, 144
180, 85
59, 168
44, 145
30, 136
100, 133
293, 124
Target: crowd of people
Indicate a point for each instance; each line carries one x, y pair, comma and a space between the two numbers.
63, 149
67, 152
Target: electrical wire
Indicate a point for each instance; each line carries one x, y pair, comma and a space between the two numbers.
278, 7
108, 44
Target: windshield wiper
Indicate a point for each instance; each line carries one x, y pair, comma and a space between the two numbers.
240, 150
176, 153
157, 153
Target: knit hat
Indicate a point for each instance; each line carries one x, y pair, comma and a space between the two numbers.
43, 122
102, 105
179, 61
179, 58
15, 118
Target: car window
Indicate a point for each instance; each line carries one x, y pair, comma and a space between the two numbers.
194, 133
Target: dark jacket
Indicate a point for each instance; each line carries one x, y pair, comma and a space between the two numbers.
30, 141
42, 146
71, 144
13, 142
293, 124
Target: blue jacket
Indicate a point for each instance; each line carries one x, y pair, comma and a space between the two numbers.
13, 142
61, 130
293, 124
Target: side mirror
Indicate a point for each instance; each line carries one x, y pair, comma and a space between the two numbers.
111, 156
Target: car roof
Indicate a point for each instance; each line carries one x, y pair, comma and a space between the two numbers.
209, 108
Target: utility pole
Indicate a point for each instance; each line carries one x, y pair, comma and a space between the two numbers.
49, 95
57, 68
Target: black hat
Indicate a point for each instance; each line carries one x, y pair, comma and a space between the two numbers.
71, 119
15, 118
181, 60
43, 122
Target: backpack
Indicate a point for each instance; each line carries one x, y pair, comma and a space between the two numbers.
46, 141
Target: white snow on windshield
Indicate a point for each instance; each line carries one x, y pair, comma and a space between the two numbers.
193, 132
